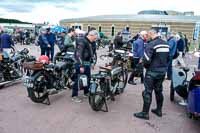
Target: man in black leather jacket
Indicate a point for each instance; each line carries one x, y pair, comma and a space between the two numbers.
84, 61
156, 58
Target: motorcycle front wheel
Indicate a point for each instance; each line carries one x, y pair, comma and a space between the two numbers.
123, 77
97, 99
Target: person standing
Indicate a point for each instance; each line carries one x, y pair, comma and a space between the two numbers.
180, 48
155, 60
60, 40
51, 38
173, 47
118, 41
84, 62
68, 39
6, 42
138, 52
43, 43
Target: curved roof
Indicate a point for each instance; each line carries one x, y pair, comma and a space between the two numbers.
155, 12
147, 18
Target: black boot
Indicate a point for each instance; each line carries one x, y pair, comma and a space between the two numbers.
157, 112
142, 115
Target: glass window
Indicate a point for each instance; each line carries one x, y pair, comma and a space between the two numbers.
88, 28
113, 31
99, 28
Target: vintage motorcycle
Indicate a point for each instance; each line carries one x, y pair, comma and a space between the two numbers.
47, 79
11, 66
109, 82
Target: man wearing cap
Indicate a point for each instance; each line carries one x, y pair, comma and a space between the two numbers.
138, 52
84, 62
155, 60
51, 38
43, 42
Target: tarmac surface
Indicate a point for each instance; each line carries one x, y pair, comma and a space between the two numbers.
18, 114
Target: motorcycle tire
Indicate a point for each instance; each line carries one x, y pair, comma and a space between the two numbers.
35, 95
36, 99
96, 98
95, 102
124, 80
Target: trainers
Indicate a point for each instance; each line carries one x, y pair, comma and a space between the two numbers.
142, 115
76, 99
183, 103
131, 82
157, 112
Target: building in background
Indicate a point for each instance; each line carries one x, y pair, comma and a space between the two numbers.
164, 21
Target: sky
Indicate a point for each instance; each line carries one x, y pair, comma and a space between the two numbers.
52, 11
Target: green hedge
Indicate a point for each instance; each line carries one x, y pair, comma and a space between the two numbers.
3, 20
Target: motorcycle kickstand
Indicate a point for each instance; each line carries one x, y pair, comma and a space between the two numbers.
47, 101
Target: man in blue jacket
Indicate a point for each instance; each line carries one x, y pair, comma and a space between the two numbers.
51, 38
173, 47
138, 52
6, 42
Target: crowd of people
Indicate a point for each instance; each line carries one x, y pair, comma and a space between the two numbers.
156, 55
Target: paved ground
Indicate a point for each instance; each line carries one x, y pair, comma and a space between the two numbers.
18, 114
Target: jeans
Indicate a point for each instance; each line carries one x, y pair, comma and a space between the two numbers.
169, 69
135, 62
87, 72
50, 52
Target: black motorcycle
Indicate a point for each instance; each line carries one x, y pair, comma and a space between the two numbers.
11, 68
48, 79
109, 82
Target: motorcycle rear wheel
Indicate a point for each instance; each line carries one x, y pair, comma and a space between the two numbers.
37, 97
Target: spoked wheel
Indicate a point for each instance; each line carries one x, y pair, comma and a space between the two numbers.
36, 96
96, 100
38, 93
123, 80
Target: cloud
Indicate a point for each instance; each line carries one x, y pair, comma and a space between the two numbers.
18, 8
55, 10
22, 6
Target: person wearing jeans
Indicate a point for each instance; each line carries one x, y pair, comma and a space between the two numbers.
84, 62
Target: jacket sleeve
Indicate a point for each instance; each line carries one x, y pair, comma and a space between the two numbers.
79, 52
135, 47
148, 53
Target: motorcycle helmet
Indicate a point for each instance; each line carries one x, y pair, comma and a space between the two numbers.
44, 59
